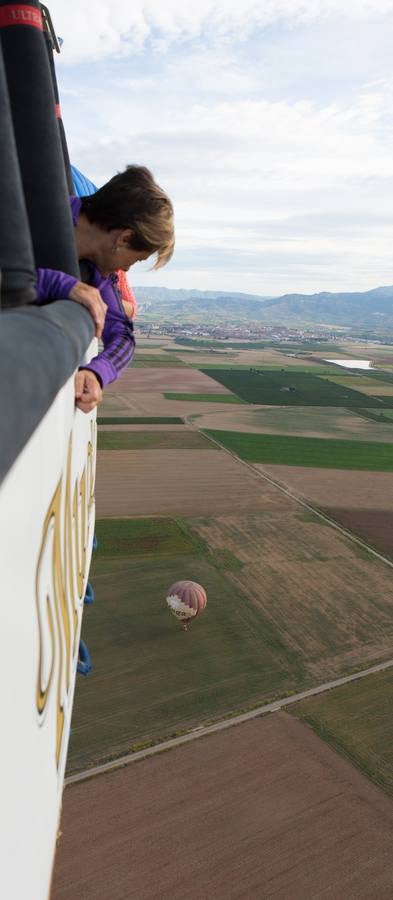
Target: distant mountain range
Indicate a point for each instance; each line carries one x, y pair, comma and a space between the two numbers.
371, 310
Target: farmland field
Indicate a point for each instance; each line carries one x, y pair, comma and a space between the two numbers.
339, 488
356, 720
170, 378
305, 346
139, 420
275, 363
153, 404
178, 482
361, 504
292, 601
152, 440
303, 421
151, 344
272, 812
142, 360
267, 387
375, 526
149, 677
319, 452
375, 416
368, 386
137, 537
376, 375
387, 413
261, 636
330, 601
358, 382
117, 404
205, 398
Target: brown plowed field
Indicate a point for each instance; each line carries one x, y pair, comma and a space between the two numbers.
329, 602
373, 525
152, 403
166, 379
120, 405
148, 428
263, 811
337, 487
179, 483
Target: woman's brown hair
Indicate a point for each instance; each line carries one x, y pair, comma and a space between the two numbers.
132, 199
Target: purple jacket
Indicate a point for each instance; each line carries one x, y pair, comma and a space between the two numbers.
118, 337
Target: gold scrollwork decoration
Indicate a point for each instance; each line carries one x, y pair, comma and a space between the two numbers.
60, 584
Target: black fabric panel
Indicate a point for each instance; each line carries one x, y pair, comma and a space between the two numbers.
63, 140
16, 251
38, 143
39, 350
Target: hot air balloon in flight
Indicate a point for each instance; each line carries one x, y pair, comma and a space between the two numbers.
186, 600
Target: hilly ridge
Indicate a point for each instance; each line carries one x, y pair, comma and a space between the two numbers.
371, 309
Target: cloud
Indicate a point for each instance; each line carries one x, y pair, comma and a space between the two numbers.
270, 127
265, 190
118, 27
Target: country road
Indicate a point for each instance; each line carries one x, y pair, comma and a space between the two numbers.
205, 730
293, 496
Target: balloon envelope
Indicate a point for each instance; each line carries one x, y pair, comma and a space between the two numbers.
186, 599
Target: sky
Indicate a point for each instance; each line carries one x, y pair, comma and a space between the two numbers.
268, 123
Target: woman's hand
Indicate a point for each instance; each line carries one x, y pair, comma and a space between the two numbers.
91, 298
88, 391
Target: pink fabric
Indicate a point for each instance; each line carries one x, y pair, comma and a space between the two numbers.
191, 593
126, 291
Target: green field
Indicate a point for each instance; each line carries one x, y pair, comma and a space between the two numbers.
310, 346
204, 398
357, 721
150, 679
179, 350
357, 382
387, 414
139, 420
225, 345
268, 387
144, 360
301, 451
308, 421
380, 376
294, 369
382, 417
138, 537
152, 440
215, 366
150, 344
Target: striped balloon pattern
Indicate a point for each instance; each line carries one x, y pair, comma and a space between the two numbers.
186, 600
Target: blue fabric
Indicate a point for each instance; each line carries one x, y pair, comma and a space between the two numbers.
84, 665
83, 186
89, 594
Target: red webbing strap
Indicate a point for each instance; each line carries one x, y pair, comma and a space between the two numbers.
20, 14
58, 110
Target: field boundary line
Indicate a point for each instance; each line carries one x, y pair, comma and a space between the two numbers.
231, 721
289, 493
264, 709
